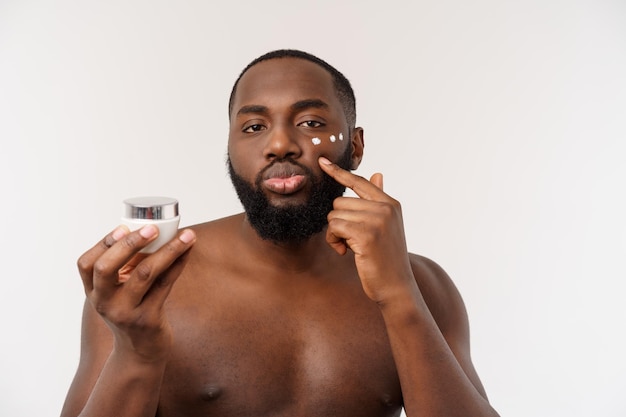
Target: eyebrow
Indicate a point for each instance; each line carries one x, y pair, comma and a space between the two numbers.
254, 108
311, 103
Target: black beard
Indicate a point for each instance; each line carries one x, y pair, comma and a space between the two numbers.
294, 223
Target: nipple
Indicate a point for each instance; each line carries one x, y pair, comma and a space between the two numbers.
211, 393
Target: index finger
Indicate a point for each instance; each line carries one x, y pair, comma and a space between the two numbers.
362, 187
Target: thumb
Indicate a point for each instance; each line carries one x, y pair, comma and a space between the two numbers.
377, 180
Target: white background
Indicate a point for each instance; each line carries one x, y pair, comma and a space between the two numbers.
500, 126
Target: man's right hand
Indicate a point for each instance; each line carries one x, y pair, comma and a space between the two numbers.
128, 289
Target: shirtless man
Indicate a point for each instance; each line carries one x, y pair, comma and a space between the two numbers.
307, 304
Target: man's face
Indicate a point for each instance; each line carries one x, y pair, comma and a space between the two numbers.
285, 116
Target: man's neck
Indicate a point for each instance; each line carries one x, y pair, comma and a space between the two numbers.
296, 257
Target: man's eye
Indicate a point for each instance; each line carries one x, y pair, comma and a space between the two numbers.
311, 123
254, 128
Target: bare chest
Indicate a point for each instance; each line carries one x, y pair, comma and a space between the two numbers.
241, 350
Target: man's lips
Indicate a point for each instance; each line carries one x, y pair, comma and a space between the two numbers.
285, 185
284, 178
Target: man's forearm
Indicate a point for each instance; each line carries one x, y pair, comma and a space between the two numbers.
432, 379
126, 387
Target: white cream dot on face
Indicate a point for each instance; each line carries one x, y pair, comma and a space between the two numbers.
316, 141
333, 138
341, 136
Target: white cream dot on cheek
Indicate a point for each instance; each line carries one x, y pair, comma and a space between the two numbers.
333, 138
316, 141
340, 136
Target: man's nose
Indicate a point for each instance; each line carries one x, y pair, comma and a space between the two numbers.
282, 142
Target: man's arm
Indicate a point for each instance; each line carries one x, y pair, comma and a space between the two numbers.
429, 336
448, 310
431, 351
125, 335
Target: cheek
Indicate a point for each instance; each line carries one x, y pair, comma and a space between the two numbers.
243, 165
328, 140
335, 147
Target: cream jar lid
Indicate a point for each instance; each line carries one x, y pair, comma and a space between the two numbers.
151, 208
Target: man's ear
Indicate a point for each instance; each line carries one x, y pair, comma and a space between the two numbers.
357, 143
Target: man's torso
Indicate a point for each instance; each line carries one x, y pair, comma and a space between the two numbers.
253, 341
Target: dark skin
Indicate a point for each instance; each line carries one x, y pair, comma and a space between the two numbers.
220, 322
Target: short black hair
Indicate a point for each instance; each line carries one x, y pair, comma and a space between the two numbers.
340, 82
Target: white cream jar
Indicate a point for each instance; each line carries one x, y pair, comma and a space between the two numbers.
160, 211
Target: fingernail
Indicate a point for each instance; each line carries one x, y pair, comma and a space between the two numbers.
324, 161
148, 231
119, 233
187, 236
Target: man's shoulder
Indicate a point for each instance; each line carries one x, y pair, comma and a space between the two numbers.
428, 272
439, 291
222, 225
218, 234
